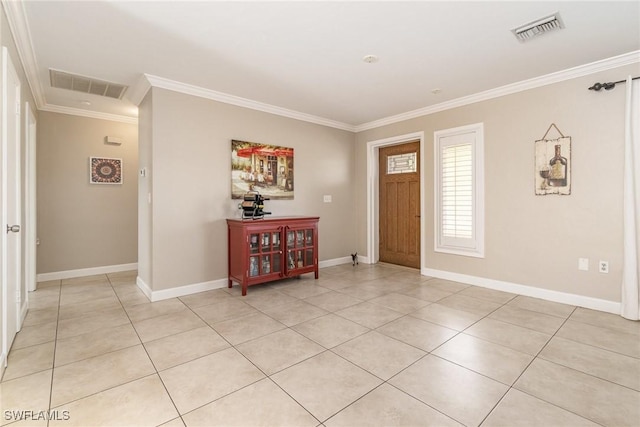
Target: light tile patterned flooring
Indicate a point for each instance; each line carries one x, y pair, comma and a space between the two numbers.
365, 345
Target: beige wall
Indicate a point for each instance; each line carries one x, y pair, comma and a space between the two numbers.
190, 177
185, 148
83, 225
534, 240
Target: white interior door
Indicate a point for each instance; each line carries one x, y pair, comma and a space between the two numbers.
11, 201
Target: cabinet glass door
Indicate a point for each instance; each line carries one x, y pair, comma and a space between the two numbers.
266, 242
300, 248
254, 269
291, 239
254, 238
308, 257
265, 253
266, 264
276, 255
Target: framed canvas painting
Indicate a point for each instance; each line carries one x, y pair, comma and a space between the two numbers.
267, 169
103, 170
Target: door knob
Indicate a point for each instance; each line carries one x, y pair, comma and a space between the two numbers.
13, 228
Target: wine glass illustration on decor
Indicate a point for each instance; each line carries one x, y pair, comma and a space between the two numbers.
544, 174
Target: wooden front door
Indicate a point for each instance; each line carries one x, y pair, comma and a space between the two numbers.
400, 204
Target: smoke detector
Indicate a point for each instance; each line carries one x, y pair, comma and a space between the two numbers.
64, 80
539, 26
370, 59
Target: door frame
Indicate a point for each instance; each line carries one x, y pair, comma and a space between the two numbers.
30, 226
373, 203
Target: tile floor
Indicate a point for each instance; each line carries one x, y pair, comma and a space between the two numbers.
365, 345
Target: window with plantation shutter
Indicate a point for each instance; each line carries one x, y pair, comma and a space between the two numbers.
459, 179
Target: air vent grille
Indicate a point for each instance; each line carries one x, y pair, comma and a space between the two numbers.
63, 80
538, 27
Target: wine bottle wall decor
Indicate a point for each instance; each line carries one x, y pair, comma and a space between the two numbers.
553, 165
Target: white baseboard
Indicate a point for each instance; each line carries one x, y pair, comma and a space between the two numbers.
23, 315
180, 291
530, 291
70, 274
334, 262
144, 287
364, 259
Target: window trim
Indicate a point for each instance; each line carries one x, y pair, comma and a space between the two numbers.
473, 247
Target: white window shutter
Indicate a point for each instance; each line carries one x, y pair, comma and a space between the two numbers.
459, 191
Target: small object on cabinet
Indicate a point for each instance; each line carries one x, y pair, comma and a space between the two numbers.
253, 266
291, 263
253, 205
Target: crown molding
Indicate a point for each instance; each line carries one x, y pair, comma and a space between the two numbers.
560, 76
536, 82
90, 114
213, 95
19, 28
138, 91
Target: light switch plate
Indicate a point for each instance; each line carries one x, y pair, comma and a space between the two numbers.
583, 264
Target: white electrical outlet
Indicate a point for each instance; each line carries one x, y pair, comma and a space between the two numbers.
603, 266
583, 264
327, 198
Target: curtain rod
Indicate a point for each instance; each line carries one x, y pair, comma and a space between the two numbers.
608, 86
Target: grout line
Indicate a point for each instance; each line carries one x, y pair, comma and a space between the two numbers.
157, 373
266, 376
55, 345
348, 275
527, 367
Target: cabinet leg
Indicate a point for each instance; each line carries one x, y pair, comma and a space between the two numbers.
244, 289
230, 283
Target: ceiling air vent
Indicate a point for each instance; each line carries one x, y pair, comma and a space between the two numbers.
83, 84
537, 27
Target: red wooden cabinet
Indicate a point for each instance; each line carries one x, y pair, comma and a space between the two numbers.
271, 248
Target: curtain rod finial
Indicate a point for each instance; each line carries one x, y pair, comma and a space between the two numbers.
606, 86
610, 85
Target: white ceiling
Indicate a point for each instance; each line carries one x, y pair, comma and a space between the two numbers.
307, 56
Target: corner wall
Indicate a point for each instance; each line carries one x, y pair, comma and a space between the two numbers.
83, 225
145, 188
191, 183
534, 240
